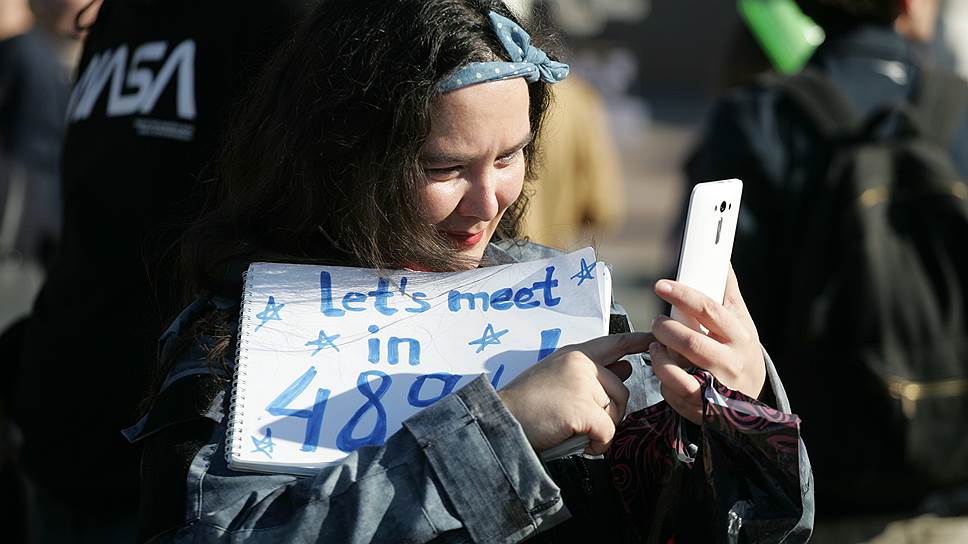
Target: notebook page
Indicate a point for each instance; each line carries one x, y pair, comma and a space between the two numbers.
332, 359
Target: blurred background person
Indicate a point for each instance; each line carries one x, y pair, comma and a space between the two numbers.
154, 82
34, 86
577, 196
871, 411
654, 66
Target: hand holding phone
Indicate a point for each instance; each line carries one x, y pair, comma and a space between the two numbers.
707, 241
730, 348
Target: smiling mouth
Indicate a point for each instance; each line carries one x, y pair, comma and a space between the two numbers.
465, 239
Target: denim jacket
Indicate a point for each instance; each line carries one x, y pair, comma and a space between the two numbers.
461, 470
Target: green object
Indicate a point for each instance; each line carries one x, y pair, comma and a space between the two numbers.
787, 36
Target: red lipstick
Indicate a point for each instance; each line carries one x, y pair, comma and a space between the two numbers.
465, 239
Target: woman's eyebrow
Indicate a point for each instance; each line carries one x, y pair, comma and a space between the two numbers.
448, 158
521, 145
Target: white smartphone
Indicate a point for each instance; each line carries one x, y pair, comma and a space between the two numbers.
707, 241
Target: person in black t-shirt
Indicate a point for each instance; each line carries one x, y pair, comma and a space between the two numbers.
154, 82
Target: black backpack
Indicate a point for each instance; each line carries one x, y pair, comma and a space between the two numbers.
876, 318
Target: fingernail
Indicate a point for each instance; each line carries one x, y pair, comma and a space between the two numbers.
663, 287
653, 347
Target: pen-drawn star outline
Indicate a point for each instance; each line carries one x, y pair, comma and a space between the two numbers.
585, 273
489, 337
265, 445
271, 313
323, 342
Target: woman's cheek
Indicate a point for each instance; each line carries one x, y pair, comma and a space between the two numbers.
511, 188
440, 200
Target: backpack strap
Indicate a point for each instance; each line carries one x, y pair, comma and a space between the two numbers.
940, 102
826, 105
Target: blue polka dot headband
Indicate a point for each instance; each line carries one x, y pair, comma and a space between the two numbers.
527, 61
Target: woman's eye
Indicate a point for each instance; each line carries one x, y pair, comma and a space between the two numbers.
509, 159
442, 174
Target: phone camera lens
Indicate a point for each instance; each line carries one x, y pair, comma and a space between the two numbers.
722, 207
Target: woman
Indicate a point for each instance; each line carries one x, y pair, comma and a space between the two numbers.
399, 134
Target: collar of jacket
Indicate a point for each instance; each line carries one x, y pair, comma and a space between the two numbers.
868, 40
515, 251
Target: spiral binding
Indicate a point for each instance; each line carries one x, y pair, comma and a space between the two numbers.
236, 421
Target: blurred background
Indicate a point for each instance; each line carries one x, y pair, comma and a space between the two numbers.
646, 73
655, 65
658, 66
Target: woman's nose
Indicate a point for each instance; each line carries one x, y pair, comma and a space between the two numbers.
481, 199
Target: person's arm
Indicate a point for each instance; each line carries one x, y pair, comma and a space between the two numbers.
461, 466
747, 138
732, 353
465, 466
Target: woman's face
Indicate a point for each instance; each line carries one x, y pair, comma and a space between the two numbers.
474, 160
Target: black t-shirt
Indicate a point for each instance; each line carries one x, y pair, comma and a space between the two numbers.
155, 82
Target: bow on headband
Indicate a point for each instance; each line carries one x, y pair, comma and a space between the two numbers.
527, 61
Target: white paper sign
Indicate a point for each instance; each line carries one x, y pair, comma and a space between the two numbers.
332, 358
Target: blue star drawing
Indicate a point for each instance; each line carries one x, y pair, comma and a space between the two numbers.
323, 342
489, 337
265, 445
271, 313
585, 273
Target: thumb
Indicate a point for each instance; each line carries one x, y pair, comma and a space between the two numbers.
600, 430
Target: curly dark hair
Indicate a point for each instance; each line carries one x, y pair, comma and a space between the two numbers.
833, 13
320, 164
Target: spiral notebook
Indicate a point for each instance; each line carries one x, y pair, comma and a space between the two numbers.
331, 359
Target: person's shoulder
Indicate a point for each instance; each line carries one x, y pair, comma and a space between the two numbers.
576, 90
741, 123
752, 100
191, 382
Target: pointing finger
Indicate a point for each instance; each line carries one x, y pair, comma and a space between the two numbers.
605, 350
